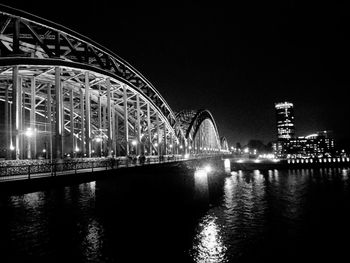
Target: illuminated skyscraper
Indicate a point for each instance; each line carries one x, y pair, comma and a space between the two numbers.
285, 121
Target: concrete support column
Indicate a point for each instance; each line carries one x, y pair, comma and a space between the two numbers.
158, 135
15, 114
126, 128
82, 123
109, 118
114, 141
49, 114
138, 125
165, 140
59, 114
71, 109
99, 117
171, 144
87, 116
20, 118
33, 119
117, 146
149, 141
104, 127
7, 124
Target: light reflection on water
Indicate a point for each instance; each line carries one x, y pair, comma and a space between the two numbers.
208, 243
93, 240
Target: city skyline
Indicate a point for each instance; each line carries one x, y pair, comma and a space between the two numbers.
236, 62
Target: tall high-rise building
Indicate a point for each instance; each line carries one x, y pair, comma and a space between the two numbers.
285, 121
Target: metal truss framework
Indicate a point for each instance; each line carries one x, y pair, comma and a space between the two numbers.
200, 131
64, 94
224, 144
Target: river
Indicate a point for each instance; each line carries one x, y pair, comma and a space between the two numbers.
182, 215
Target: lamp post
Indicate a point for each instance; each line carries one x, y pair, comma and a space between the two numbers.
134, 144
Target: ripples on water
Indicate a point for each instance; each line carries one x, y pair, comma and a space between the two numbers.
183, 216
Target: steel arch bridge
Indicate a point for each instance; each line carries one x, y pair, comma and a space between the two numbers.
64, 94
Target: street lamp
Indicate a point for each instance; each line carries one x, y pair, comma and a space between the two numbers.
134, 143
29, 132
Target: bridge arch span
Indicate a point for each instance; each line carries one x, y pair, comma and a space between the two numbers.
64, 94
200, 131
224, 144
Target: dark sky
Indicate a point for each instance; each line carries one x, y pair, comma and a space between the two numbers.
236, 61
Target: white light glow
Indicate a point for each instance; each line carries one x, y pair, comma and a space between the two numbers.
134, 143
208, 168
186, 156
209, 245
29, 132
227, 163
200, 173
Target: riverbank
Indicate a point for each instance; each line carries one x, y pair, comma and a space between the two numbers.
251, 164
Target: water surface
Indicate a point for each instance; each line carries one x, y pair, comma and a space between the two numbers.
178, 215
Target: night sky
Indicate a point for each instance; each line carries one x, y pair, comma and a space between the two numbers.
236, 61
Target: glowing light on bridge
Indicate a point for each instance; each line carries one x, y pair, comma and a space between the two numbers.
208, 168
29, 132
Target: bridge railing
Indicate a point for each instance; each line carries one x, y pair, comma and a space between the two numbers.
47, 169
